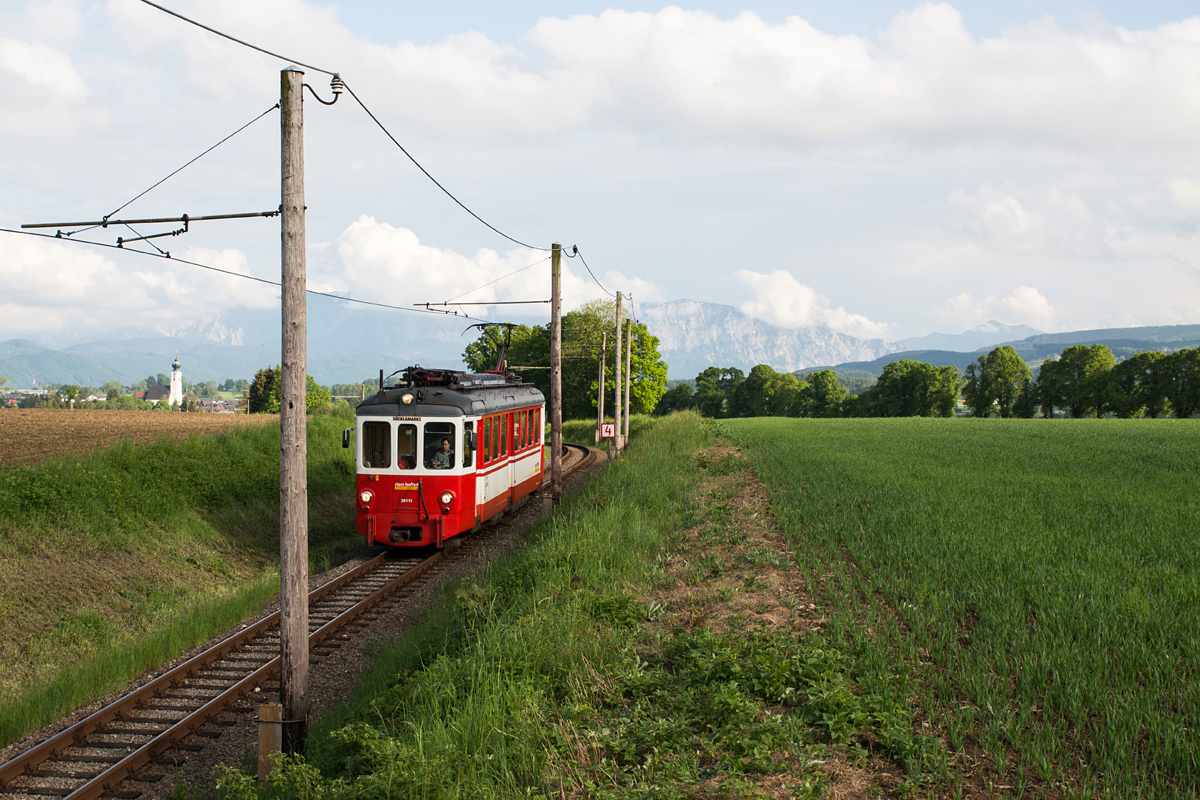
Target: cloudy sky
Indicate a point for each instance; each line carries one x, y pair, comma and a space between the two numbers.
888, 169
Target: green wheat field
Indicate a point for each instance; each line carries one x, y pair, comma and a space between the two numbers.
1040, 577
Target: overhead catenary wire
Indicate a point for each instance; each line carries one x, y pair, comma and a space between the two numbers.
502, 277
169, 257
358, 100
435, 180
188, 164
575, 252
234, 39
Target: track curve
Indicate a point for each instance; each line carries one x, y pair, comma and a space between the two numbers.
90, 758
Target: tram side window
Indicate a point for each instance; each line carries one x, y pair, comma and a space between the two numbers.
406, 446
496, 437
468, 456
524, 428
504, 426
376, 445
438, 449
487, 440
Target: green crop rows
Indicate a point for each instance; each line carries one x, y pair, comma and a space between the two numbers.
1041, 577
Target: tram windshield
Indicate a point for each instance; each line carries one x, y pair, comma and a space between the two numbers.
438, 448
376, 445
406, 446
468, 455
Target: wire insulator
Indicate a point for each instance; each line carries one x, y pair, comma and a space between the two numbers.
337, 85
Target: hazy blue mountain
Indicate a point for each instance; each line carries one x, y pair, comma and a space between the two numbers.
1123, 342
344, 346
694, 336
27, 362
989, 334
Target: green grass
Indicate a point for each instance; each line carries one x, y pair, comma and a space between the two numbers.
117, 561
1042, 576
544, 676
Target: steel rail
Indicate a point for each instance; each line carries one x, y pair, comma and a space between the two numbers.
106, 780
164, 740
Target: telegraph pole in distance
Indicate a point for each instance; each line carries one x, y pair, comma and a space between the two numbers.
556, 372
628, 370
293, 448
600, 391
617, 375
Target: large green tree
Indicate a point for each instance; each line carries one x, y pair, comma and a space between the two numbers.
1135, 386
1179, 381
994, 383
264, 393
766, 393
909, 388
823, 396
677, 399
715, 388
1077, 380
584, 330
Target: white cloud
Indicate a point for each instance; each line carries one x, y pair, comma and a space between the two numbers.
693, 75
1054, 223
781, 300
377, 261
1025, 305
41, 91
59, 287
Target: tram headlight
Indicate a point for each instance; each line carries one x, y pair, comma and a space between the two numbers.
446, 498
365, 497
406, 398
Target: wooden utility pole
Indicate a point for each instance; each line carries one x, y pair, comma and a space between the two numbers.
293, 448
556, 372
628, 370
600, 391
617, 375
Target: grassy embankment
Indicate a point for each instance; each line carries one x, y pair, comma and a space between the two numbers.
114, 562
1042, 577
583, 664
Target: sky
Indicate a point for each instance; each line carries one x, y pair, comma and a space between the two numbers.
886, 169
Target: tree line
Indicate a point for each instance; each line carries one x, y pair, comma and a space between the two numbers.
906, 388
1082, 381
1085, 381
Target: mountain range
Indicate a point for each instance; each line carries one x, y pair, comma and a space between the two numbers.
347, 344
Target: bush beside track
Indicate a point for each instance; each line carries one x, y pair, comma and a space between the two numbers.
117, 560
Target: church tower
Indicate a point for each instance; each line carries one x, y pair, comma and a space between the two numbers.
176, 396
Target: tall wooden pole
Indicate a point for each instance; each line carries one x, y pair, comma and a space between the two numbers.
556, 372
293, 449
600, 391
617, 375
628, 370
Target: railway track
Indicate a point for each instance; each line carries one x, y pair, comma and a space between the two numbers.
148, 726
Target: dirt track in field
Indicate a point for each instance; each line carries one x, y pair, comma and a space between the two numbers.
30, 435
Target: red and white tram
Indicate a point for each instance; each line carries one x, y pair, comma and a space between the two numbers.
443, 452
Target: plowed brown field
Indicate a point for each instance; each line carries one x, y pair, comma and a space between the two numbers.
29, 435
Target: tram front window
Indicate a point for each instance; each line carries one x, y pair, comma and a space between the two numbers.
438, 448
468, 456
376, 445
406, 446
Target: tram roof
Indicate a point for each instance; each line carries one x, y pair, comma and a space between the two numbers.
470, 395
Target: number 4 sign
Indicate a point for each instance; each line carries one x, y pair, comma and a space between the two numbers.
608, 430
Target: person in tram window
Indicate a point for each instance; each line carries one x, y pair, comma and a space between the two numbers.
444, 458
